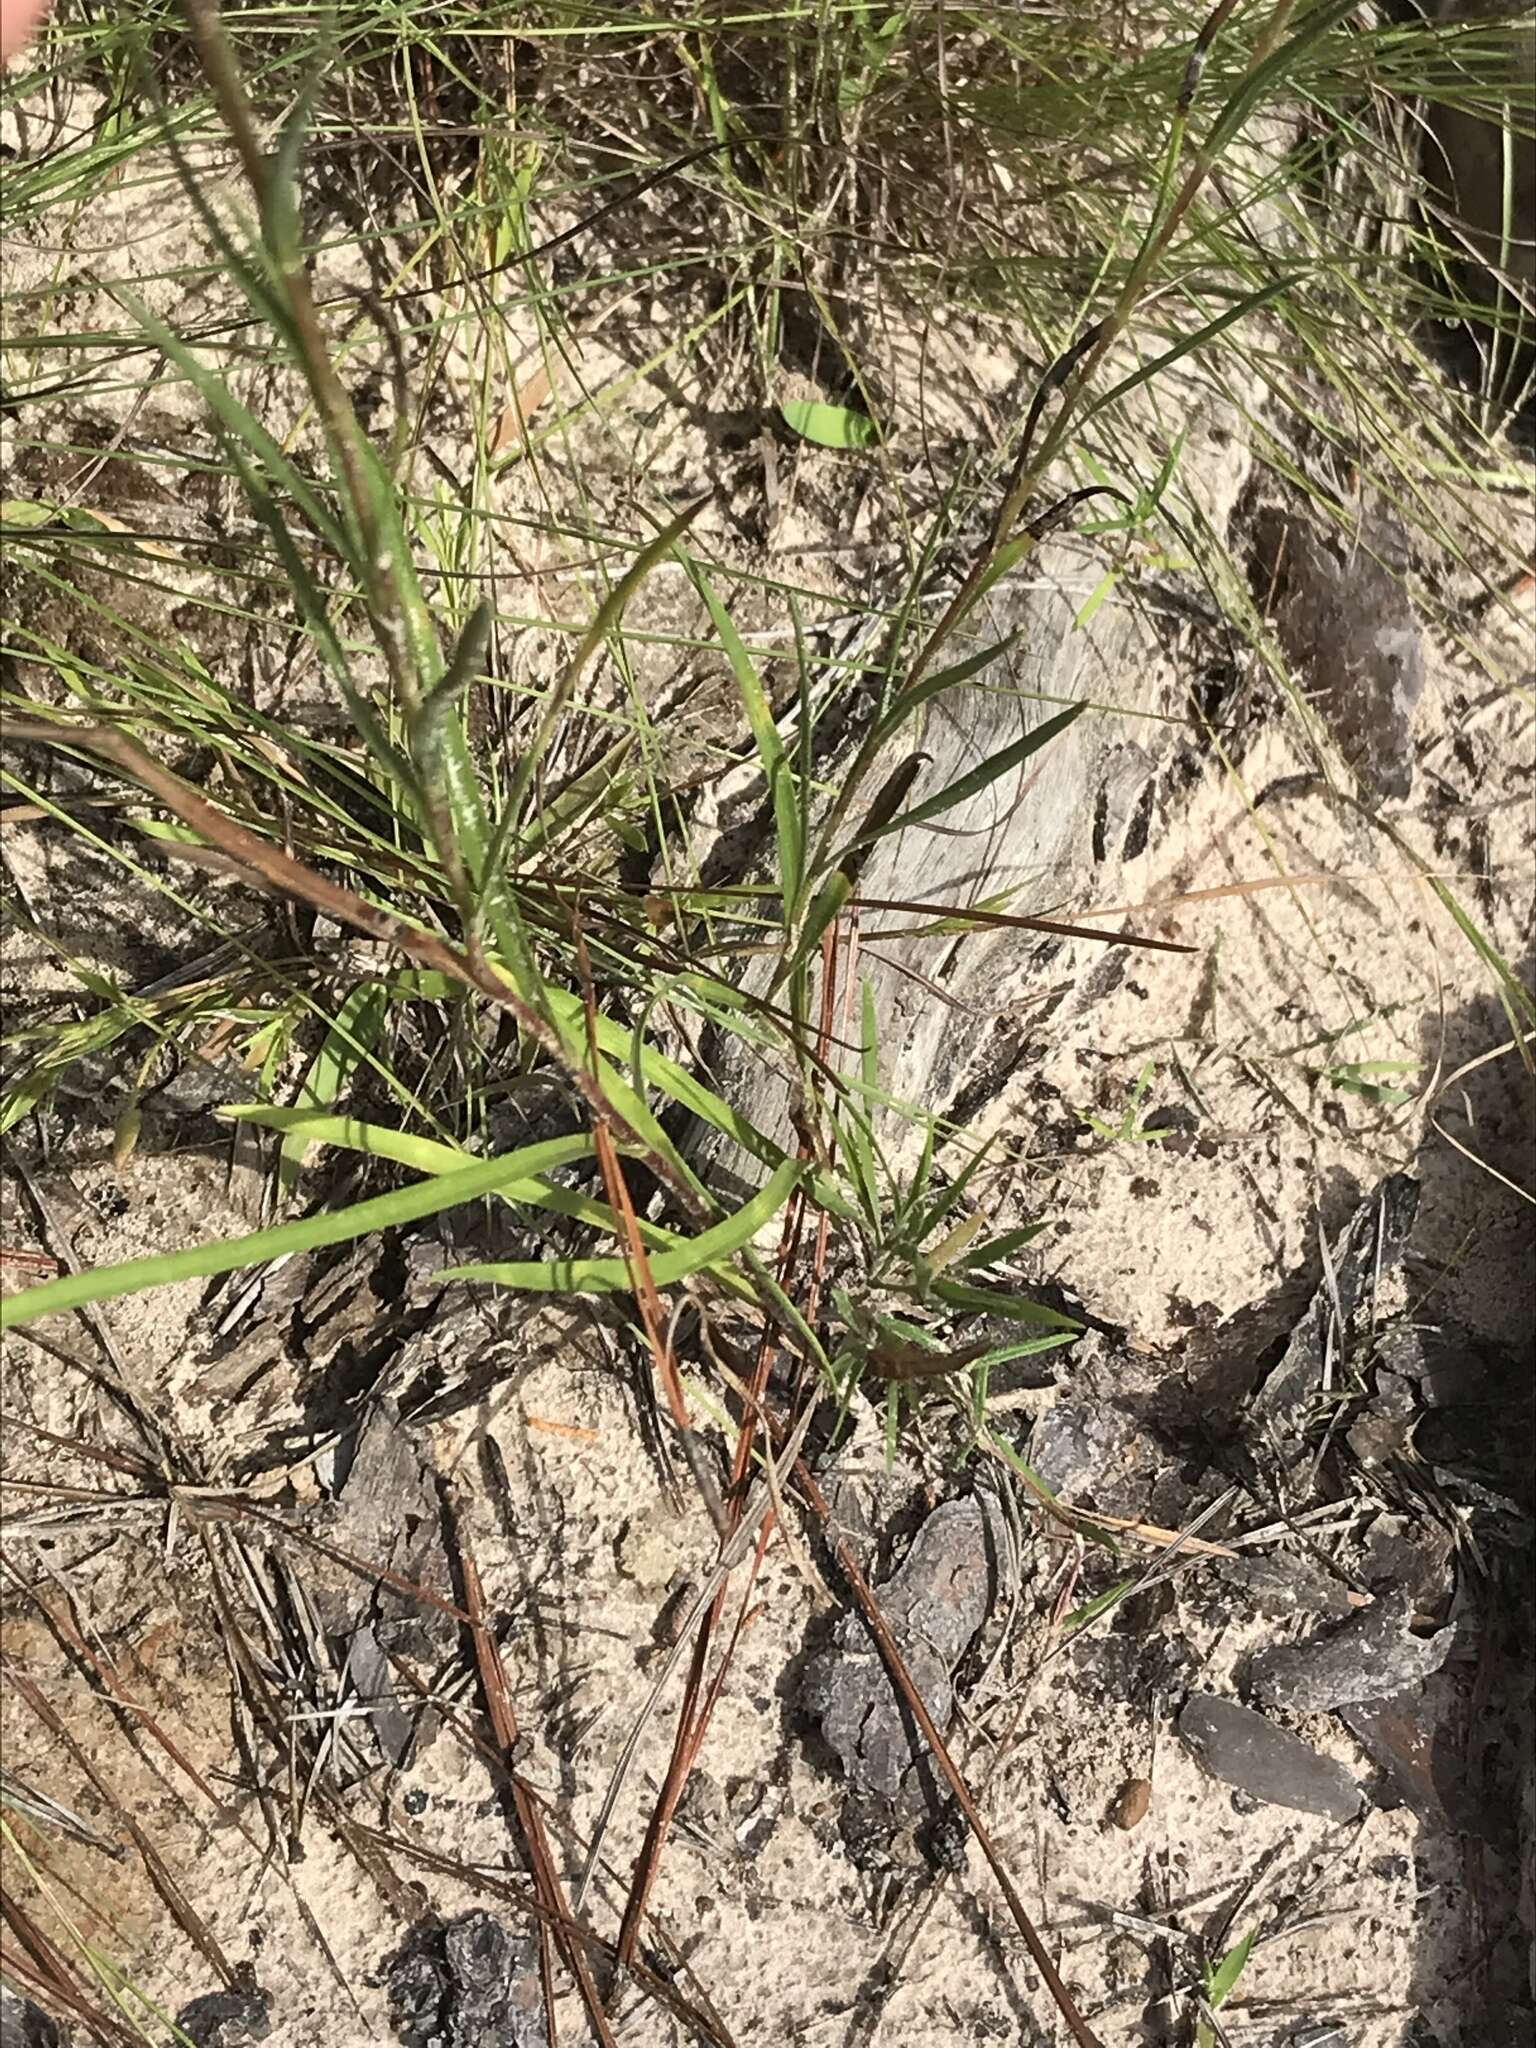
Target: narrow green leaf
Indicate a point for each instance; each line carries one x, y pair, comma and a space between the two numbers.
440, 749
568, 1014
853, 1123
689, 1093
443, 697
612, 1275
240, 423
377, 1141
908, 1206
902, 707
1519, 1002
988, 1301
829, 426
1096, 598
964, 787
1261, 81
1028, 1347
609, 614
979, 1256
1090, 1610
926, 1221
829, 900
335, 1226
855, 1140
583, 794
1008, 555
869, 1034
353, 1034
427, 1155
1253, 303
877, 819
282, 213
1223, 1979
26, 1095
390, 761
892, 1425
777, 771
22, 514
425, 984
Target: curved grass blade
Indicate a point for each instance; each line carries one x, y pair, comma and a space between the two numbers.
352, 1035
902, 707
977, 779
612, 1276
609, 613
1260, 82
334, 1226
989, 1301
428, 1155
1202, 338
281, 221
239, 422
789, 823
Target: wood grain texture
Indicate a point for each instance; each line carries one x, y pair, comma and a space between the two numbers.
1030, 833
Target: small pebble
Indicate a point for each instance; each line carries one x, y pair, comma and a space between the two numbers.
1130, 1809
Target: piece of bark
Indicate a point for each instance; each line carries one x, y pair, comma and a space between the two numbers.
1370, 1654
935, 1602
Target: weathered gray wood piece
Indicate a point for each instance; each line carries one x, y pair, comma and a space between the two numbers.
1031, 833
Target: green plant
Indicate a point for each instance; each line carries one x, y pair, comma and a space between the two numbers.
1221, 1980
1130, 1130
470, 819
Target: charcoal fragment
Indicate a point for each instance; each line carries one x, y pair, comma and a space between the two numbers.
935, 1602
25, 2025
1416, 1739
1371, 1654
469, 1983
1337, 1321
225, 2019
1280, 1585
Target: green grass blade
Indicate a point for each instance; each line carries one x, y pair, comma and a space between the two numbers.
281, 215
988, 1301
1027, 1347
1202, 338
911, 700
771, 752
1223, 1979
612, 1276
351, 1037
926, 1219
377, 1141
830, 898
609, 614
964, 787
428, 1155
1262, 81
336, 1226
977, 1257
240, 423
